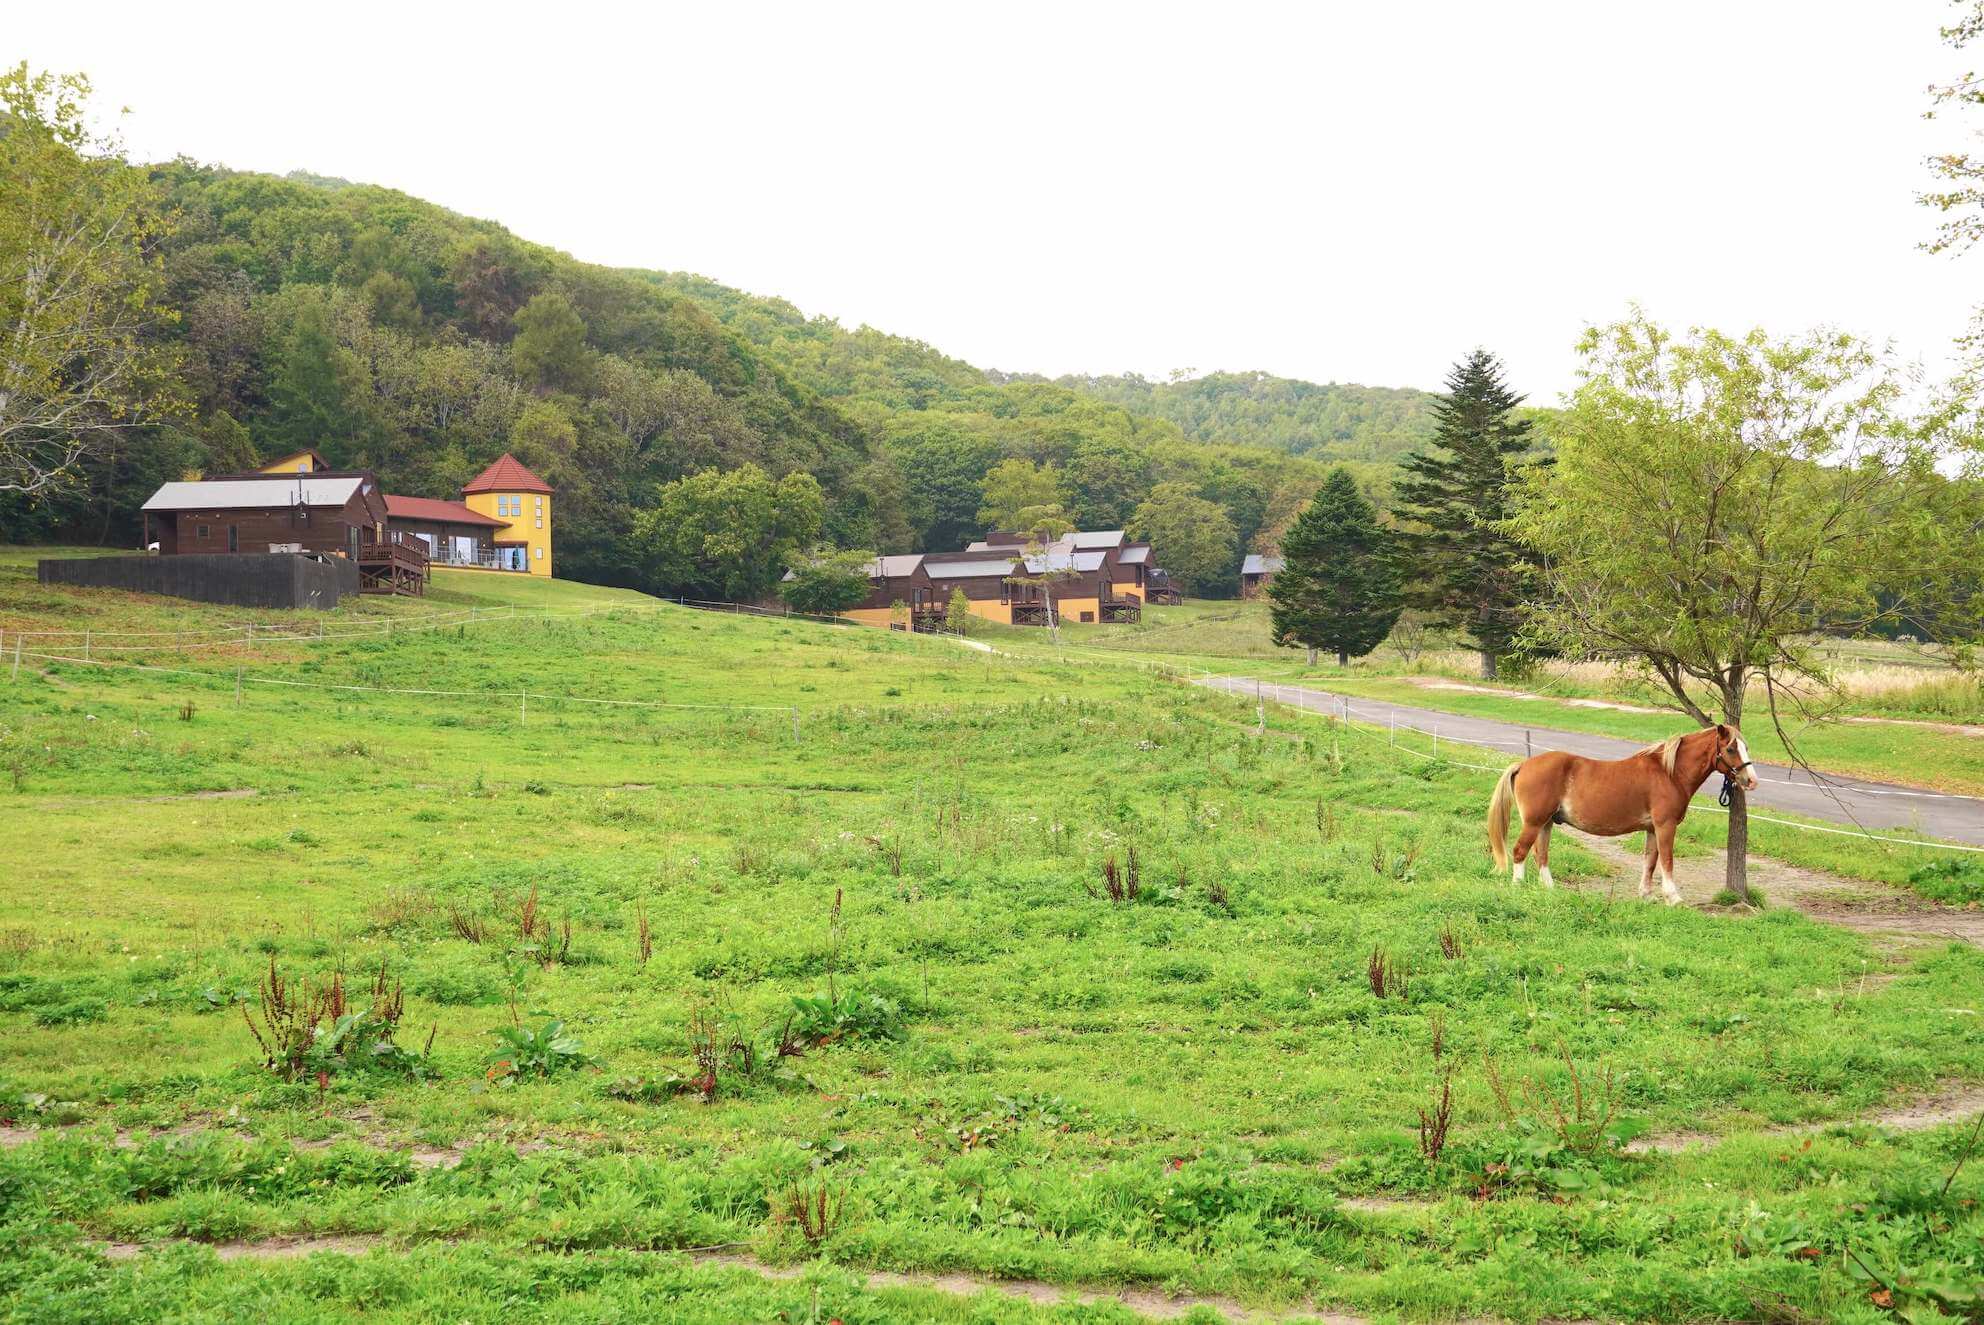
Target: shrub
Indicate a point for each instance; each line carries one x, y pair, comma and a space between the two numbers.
541, 1051
851, 1015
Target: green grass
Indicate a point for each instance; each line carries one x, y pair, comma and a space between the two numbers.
1188, 1089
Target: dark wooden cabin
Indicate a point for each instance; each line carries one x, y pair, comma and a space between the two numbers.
338, 513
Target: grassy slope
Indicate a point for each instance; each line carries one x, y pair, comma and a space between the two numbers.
1180, 1089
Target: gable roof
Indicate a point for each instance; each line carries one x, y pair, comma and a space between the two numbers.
1256, 564
441, 512
894, 567
507, 474
1135, 554
268, 491
1087, 539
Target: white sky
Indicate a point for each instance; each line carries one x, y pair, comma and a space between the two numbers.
1341, 192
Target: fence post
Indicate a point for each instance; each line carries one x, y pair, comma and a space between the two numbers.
523, 706
237, 685
1260, 711
1436, 740
1528, 750
86, 644
795, 726
1394, 726
17, 657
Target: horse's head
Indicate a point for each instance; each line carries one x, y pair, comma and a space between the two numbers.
1732, 757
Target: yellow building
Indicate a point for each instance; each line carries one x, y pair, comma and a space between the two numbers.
301, 462
509, 492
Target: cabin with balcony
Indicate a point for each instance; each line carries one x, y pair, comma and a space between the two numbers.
325, 512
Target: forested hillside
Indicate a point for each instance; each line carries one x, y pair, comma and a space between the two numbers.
1325, 421
395, 335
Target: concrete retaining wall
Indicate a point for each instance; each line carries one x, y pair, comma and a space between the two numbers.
244, 579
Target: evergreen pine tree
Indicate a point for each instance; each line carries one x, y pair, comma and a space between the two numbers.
1467, 574
1338, 588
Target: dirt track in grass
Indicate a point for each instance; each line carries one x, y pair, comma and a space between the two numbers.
1872, 908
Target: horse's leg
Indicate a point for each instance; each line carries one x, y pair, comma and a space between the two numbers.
1646, 867
1543, 854
1668, 891
1521, 851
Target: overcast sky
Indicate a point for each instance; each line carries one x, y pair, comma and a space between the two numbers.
1341, 192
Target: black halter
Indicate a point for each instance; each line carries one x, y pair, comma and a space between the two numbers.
1728, 791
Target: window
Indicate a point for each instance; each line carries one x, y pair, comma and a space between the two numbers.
540, 519
233, 538
205, 530
540, 553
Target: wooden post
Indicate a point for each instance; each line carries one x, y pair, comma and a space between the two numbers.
1436, 740
1260, 712
1528, 750
17, 655
523, 705
86, 645
237, 685
1394, 726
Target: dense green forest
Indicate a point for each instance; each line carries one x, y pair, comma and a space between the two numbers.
1324, 421
395, 335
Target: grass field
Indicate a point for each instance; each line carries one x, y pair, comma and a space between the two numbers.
880, 954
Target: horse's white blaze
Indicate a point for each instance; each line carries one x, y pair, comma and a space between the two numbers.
1546, 878
1743, 758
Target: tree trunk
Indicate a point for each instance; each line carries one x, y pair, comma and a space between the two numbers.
1312, 655
1487, 665
1736, 876
1736, 871
1342, 658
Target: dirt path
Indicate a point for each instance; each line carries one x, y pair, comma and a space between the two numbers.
1872, 908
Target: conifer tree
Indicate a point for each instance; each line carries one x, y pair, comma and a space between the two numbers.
1467, 574
1338, 588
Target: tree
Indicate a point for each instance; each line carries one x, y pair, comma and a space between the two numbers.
727, 533
957, 613
1718, 503
1045, 567
550, 347
318, 389
1468, 572
80, 287
1189, 536
1960, 200
1104, 480
1338, 587
827, 582
1014, 486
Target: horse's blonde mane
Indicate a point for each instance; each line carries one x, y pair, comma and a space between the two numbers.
1668, 750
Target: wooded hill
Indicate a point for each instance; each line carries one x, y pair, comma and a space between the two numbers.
393, 334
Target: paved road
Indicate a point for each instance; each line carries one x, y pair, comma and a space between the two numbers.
1843, 800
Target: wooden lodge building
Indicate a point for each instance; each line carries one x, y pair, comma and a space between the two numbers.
1257, 572
299, 504
1096, 576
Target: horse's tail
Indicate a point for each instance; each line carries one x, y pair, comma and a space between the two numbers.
1498, 815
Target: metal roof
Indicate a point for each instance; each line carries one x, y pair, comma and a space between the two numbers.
1057, 559
270, 492
1135, 555
974, 568
894, 567
1086, 539
1256, 564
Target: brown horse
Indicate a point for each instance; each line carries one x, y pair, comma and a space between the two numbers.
1610, 797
